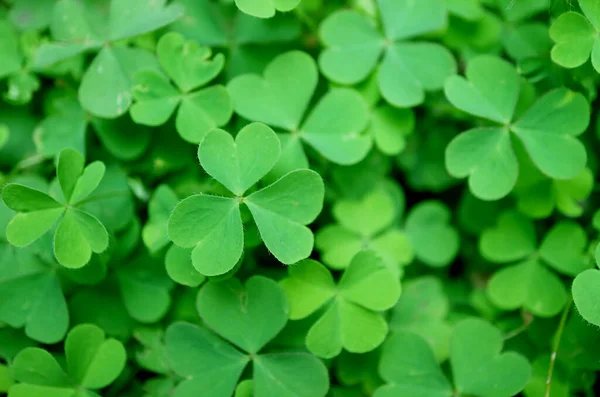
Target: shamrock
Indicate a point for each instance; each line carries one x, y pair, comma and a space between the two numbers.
422, 309
212, 225
350, 319
366, 223
478, 366
92, 362
77, 27
434, 241
265, 8
244, 317
251, 42
548, 129
528, 283
576, 36
78, 233
190, 67
333, 128
43, 309
353, 46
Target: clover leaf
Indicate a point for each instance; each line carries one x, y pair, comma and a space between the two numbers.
351, 318
366, 223
190, 67
529, 283
585, 295
478, 366
251, 42
78, 28
78, 233
427, 222
423, 309
212, 363
213, 225
548, 129
353, 46
42, 311
265, 8
333, 127
154, 233
576, 36
92, 362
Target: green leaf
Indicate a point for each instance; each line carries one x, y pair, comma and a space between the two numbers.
563, 248
24, 199
239, 164
486, 157
178, 263
31, 296
478, 366
513, 238
390, 126
27, 227
78, 235
265, 8
282, 210
422, 309
140, 16
548, 130
410, 368
186, 62
267, 99
427, 223
289, 375
248, 315
585, 295
9, 46
213, 227
68, 170
308, 287
530, 285
155, 231
93, 361
575, 39
216, 373
350, 319
110, 98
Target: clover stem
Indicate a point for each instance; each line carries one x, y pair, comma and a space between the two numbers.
556, 345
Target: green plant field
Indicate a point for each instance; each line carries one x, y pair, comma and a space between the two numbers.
299, 198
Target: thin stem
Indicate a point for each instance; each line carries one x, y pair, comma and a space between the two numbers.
558, 336
527, 320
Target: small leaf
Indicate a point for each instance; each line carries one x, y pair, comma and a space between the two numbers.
585, 294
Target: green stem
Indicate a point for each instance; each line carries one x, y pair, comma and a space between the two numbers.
556, 345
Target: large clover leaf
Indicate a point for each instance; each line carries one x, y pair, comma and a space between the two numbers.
212, 225
529, 283
251, 42
408, 69
576, 36
78, 233
190, 67
78, 27
479, 368
42, 310
351, 318
92, 362
245, 317
548, 129
333, 127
